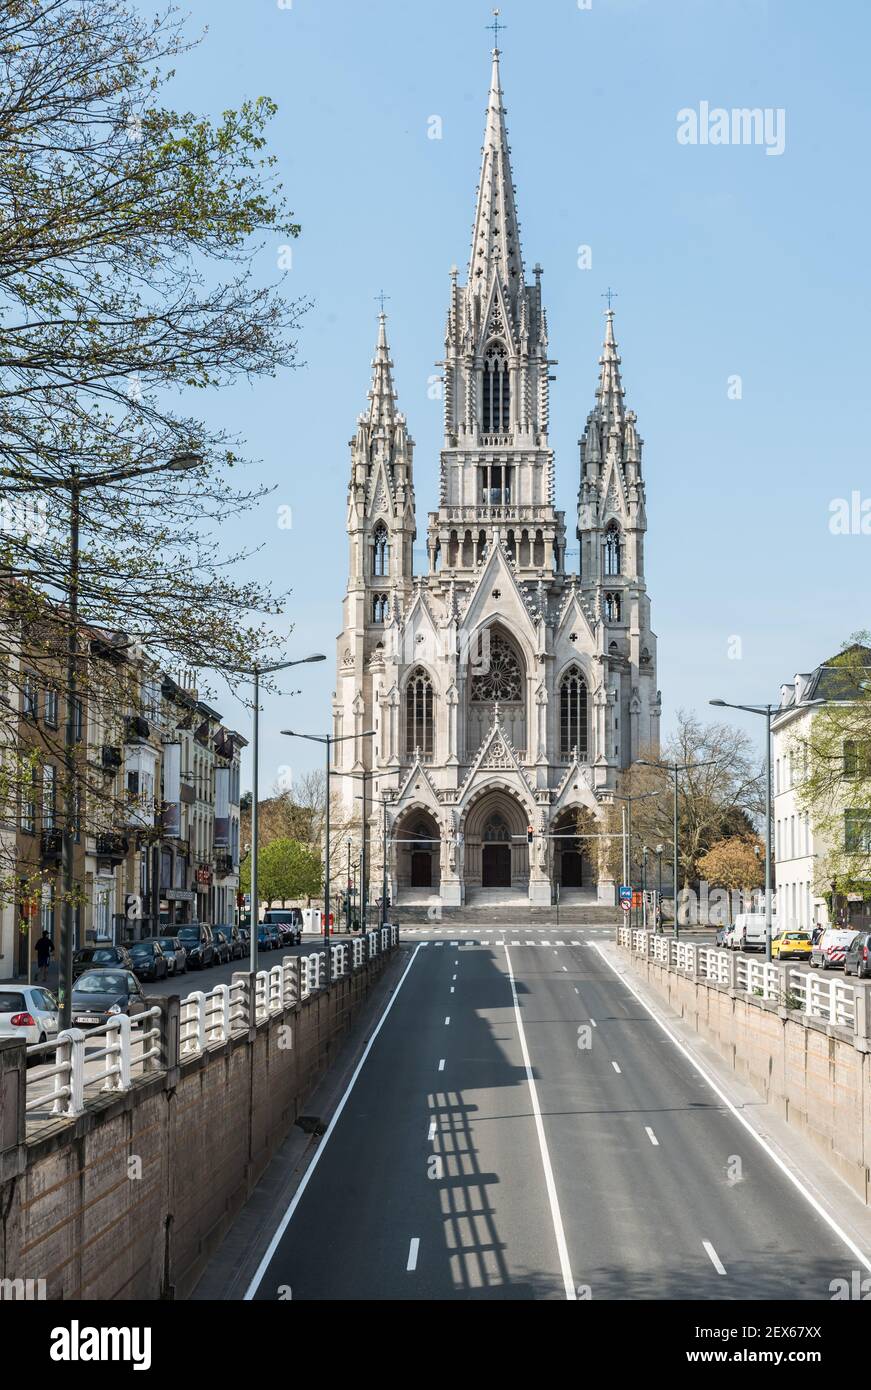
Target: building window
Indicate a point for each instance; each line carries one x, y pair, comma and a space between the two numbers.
46, 910
380, 551
379, 608
573, 714
495, 481
613, 550
30, 697
51, 702
857, 832
613, 607
497, 831
496, 398
419, 726
500, 675
857, 759
49, 792
28, 804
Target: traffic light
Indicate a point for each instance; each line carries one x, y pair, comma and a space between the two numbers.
529, 833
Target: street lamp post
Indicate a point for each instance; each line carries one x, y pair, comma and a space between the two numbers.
76, 484
644, 854
328, 740
658, 921
765, 711
254, 672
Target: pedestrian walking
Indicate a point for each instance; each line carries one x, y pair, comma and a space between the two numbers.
44, 953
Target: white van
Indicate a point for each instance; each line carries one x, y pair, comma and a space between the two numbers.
749, 932
830, 950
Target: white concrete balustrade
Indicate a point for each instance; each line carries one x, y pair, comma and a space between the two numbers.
832, 998
63, 1075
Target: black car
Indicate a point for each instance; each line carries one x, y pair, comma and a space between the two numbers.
196, 938
237, 943
99, 957
857, 961
288, 920
149, 962
223, 948
100, 995
176, 955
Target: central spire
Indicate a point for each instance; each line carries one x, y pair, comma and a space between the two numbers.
382, 397
496, 233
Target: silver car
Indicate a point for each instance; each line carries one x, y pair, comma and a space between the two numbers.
29, 1012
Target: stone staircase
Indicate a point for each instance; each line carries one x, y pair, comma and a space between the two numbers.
506, 915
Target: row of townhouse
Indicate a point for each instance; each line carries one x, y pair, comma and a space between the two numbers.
156, 808
803, 892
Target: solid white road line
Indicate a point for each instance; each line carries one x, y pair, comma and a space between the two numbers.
556, 1217
413, 1248
616, 1067
441, 1064
651, 1136
715, 1259
742, 1120
297, 1196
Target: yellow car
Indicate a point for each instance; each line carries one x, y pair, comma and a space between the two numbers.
794, 944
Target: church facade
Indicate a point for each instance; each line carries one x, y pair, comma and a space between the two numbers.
497, 697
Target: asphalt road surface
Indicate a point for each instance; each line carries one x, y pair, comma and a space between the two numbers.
521, 1128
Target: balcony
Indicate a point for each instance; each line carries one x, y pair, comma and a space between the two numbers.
112, 758
136, 729
224, 865
112, 847
50, 846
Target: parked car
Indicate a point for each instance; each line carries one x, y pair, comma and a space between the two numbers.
29, 1012
720, 939
223, 949
237, 943
729, 937
831, 949
749, 931
791, 945
288, 920
196, 938
267, 937
176, 955
149, 962
103, 994
98, 957
857, 960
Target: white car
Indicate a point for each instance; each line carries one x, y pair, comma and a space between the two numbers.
29, 1012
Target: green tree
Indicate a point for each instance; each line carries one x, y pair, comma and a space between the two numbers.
735, 863
286, 869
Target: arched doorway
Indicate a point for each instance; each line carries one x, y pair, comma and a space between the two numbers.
417, 843
571, 858
496, 853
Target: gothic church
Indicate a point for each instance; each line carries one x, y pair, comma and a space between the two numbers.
503, 693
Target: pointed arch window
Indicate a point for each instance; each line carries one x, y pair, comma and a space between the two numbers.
500, 676
380, 603
613, 549
497, 831
419, 721
496, 393
380, 551
573, 714
613, 607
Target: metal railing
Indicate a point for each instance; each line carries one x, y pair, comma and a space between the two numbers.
83, 1063
831, 998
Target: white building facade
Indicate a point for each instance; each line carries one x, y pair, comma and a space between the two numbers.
505, 693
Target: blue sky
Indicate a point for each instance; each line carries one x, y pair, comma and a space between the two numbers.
727, 261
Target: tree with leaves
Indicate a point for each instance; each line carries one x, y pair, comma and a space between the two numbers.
285, 870
126, 286
734, 864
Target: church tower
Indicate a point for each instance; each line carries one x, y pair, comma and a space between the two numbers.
612, 523
496, 700
497, 468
